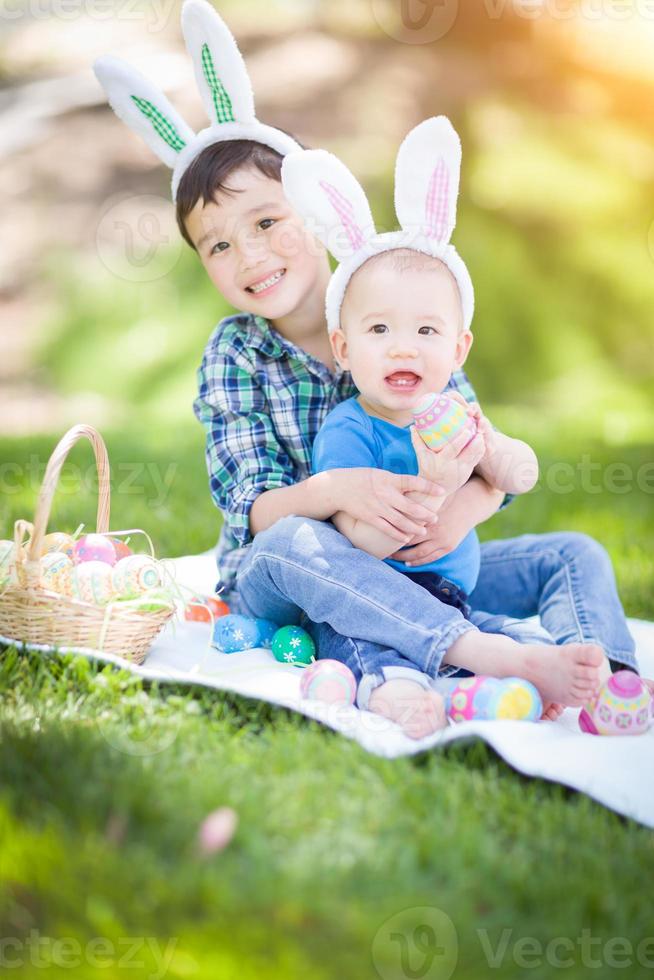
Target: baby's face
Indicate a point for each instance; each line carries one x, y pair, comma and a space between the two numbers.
254, 247
401, 335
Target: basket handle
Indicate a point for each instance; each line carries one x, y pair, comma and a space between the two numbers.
51, 479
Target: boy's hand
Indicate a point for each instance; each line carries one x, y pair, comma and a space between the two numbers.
451, 466
453, 525
473, 503
379, 498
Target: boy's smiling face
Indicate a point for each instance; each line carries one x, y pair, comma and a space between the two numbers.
401, 333
255, 248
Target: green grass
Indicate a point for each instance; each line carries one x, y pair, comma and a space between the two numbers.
105, 780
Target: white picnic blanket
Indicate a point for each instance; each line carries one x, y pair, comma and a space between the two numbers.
616, 771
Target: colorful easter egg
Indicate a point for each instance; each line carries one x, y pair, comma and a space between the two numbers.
233, 633
440, 418
197, 610
92, 582
135, 574
293, 645
330, 681
622, 706
267, 630
58, 541
56, 572
94, 547
518, 700
482, 698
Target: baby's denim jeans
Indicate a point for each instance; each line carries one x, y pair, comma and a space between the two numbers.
382, 625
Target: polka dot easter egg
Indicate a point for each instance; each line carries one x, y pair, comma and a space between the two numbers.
94, 547
330, 681
481, 698
440, 418
621, 707
293, 645
234, 633
92, 582
135, 574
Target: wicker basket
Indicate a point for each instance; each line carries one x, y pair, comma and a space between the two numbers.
32, 615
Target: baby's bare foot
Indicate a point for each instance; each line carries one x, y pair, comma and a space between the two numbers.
419, 712
570, 675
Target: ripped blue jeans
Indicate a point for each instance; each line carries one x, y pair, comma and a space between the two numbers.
382, 625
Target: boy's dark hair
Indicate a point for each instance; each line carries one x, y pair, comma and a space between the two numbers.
211, 168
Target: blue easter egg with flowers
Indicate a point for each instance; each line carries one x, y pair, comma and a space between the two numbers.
233, 632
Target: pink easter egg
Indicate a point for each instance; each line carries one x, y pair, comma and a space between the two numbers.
461, 699
621, 707
94, 547
330, 681
439, 418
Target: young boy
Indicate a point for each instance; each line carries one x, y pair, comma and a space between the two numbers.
267, 381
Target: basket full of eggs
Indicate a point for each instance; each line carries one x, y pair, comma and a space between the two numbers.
90, 593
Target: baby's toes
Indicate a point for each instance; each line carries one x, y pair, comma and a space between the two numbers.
551, 711
591, 654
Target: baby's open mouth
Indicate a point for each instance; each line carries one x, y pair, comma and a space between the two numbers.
267, 283
403, 380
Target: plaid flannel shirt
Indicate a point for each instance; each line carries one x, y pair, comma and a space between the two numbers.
262, 400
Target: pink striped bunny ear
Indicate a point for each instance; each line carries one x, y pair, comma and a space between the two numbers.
427, 180
329, 199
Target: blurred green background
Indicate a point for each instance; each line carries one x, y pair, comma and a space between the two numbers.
104, 314
105, 311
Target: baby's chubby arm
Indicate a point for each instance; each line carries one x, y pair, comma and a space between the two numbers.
448, 470
508, 464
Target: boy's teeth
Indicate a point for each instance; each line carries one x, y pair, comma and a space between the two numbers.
267, 282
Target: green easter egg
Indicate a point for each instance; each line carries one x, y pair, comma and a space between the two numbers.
293, 645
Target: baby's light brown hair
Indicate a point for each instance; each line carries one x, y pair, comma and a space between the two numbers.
402, 259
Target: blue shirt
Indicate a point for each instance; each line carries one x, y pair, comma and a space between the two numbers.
350, 437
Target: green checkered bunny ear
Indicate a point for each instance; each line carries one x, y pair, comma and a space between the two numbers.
144, 109
220, 71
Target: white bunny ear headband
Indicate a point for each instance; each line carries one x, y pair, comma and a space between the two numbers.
334, 207
224, 85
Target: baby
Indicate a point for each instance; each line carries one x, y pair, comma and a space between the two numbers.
402, 334
399, 311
